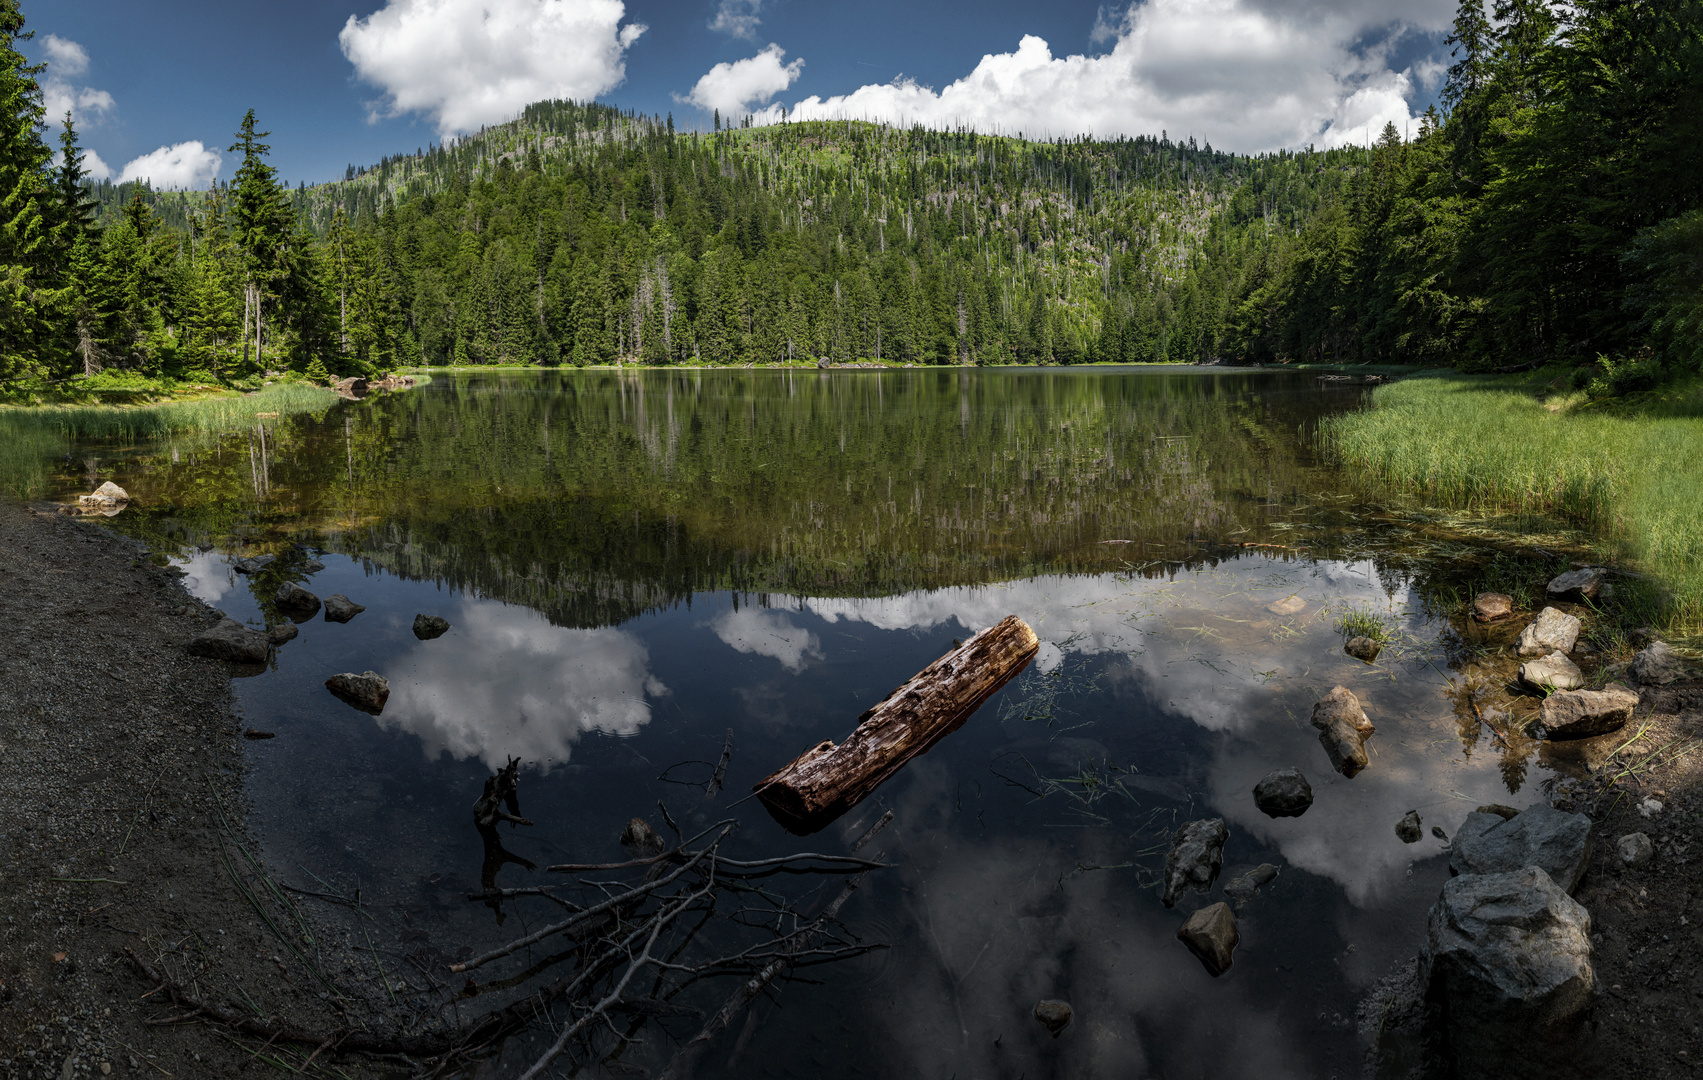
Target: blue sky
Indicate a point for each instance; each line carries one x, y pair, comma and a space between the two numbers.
159, 90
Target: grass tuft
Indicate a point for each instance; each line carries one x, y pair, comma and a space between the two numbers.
1632, 476
1366, 623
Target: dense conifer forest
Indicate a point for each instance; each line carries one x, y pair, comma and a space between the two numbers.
1550, 212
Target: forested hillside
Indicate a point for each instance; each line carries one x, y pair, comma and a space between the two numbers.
1550, 213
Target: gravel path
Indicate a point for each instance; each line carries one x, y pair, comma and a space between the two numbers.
120, 819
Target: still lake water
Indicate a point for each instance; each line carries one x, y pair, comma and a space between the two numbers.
635, 564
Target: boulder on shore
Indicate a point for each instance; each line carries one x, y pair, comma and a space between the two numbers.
427, 627
292, 597
1658, 665
367, 691
1210, 934
1579, 714
1541, 836
339, 608
1196, 856
1343, 730
1552, 631
230, 640
1490, 606
1283, 793
1508, 958
1578, 585
1552, 672
1635, 850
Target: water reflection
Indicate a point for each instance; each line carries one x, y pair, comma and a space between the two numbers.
506, 683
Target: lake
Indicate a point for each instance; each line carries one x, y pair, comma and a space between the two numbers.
635, 565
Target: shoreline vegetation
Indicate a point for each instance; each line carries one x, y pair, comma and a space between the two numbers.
1629, 472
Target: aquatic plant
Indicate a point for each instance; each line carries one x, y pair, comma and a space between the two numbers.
1366, 623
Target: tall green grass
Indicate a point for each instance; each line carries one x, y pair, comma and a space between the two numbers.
30, 438
1633, 478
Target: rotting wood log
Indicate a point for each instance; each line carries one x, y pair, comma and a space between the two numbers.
827, 780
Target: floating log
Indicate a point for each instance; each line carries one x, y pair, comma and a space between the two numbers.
827, 780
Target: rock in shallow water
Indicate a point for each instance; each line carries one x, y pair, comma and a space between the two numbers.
292, 597
1507, 956
1659, 665
339, 608
1410, 829
1490, 606
254, 565
283, 632
1196, 856
367, 691
1542, 836
1552, 631
1552, 672
1343, 730
1283, 793
1635, 850
640, 840
1054, 1015
1210, 934
1362, 648
230, 640
1289, 605
1579, 714
1242, 888
427, 627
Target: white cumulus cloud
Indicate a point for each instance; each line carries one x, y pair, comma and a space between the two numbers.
59, 95
1247, 75
737, 17
66, 57
734, 87
183, 166
466, 63
93, 166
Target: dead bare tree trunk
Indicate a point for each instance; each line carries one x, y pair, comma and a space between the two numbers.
827, 780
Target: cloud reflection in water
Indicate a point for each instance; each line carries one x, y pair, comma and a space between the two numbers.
509, 683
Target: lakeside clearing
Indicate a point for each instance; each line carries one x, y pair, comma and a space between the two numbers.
1629, 471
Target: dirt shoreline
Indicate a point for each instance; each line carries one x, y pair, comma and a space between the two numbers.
121, 813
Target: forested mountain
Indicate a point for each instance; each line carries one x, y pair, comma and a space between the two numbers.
1552, 212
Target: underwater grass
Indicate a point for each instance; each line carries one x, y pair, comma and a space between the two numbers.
30, 438
1632, 476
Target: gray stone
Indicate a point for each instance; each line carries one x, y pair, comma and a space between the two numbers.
1343, 730
1542, 836
252, 566
367, 691
283, 632
1362, 648
339, 608
1054, 1015
1289, 605
824, 362
1552, 631
1243, 887
292, 597
1507, 955
1210, 934
1579, 714
1578, 585
112, 491
312, 566
427, 627
1552, 672
1490, 606
230, 640
1635, 850
1196, 856
1284, 793
640, 840
1410, 828
1659, 665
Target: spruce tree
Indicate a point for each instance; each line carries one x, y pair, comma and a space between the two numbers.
30, 289
260, 223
